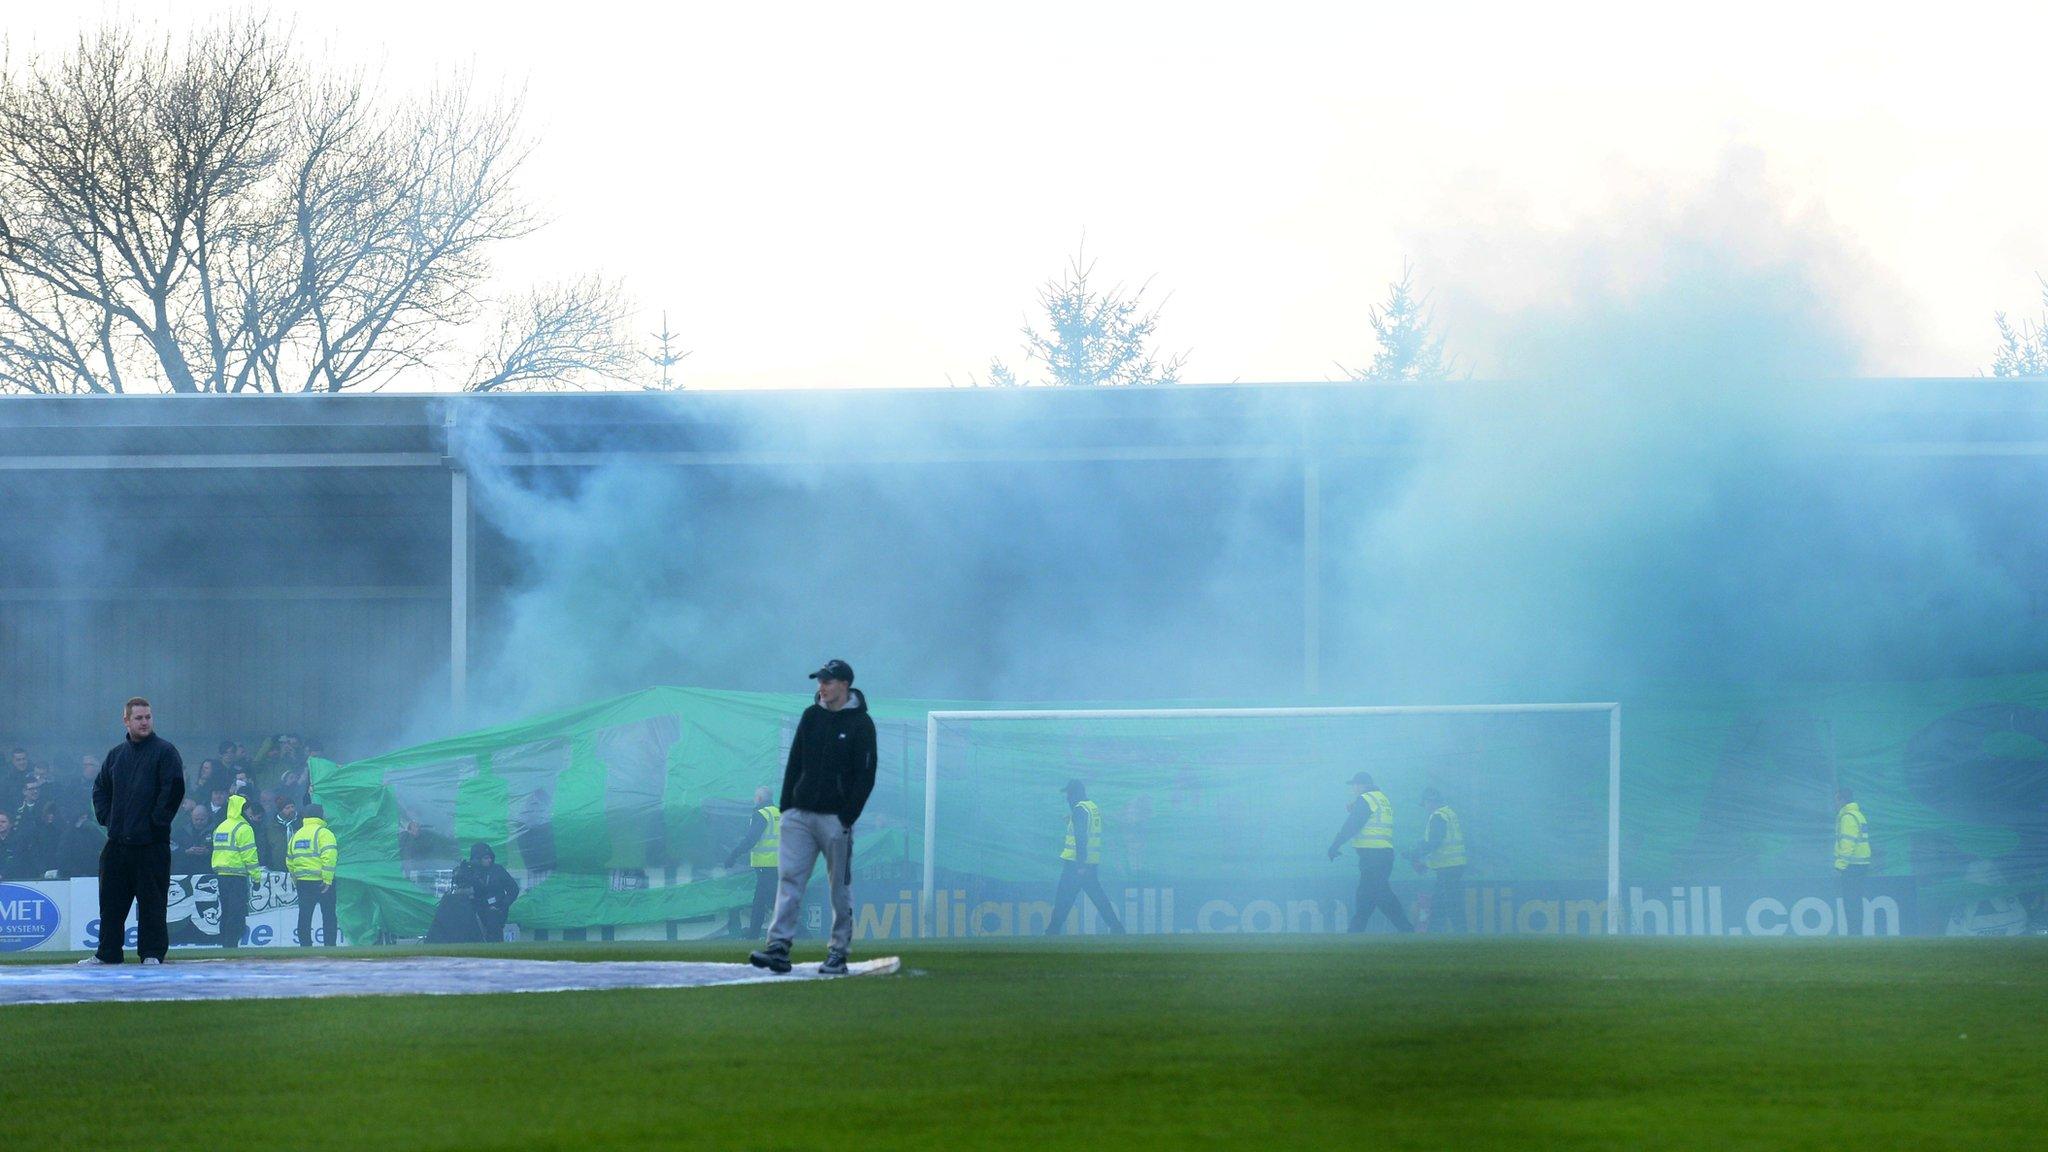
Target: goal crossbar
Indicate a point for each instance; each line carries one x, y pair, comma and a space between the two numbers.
1613, 710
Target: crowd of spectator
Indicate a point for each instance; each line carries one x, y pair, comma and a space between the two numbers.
48, 832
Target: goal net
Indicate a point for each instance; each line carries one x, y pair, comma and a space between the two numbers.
1220, 820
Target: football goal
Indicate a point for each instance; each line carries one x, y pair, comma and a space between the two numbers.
1222, 819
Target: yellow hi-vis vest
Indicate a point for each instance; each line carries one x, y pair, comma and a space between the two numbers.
767, 851
1852, 838
1378, 829
1094, 833
1450, 853
234, 845
312, 852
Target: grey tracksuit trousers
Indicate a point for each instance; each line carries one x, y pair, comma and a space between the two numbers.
805, 837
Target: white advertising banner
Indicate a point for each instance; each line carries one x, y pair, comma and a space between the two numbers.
194, 914
33, 915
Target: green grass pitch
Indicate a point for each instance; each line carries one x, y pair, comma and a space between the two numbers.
1273, 1043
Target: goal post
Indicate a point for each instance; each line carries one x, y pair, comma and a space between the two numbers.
938, 721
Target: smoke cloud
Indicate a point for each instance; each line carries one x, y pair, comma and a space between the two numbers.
1671, 479
1680, 481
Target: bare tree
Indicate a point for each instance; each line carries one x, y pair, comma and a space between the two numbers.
557, 336
1091, 336
215, 216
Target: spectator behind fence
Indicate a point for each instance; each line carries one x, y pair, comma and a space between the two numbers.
192, 842
34, 793
294, 784
206, 779
313, 752
83, 842
408, 840
272, 832
287, 818
273, 756
9, 847
42, 843
233, 758
12, 778
81, 785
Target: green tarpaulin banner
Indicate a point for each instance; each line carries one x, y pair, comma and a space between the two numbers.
625, 811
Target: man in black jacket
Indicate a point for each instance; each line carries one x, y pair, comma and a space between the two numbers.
491, 889
825, 785
136, 795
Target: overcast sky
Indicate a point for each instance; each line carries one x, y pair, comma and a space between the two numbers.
862, 195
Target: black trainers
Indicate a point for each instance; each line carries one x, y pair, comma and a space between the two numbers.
773, 959
834, 965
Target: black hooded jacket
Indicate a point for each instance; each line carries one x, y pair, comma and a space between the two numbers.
492, 888
832, 760
140, 785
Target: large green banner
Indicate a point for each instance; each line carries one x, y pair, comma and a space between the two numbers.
625, 812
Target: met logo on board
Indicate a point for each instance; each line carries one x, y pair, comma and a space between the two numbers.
28, 918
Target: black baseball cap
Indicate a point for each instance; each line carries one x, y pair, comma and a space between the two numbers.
834, 670
1074, 786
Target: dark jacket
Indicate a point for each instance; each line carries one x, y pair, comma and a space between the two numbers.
270, 843
13, 786
493, 889
192, 845
832, 760
137, 793
42, 849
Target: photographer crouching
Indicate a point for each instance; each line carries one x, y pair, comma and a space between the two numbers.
487, 889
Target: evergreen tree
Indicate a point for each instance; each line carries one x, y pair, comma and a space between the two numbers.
1091, 336
1409, 349
2022, 348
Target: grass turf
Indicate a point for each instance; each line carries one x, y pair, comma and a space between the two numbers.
1384, 1043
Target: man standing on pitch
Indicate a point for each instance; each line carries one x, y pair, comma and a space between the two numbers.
311, 858
135, 797
1083, 858
1370, 829
825, 785
1852, 857
762, 847
1443, 852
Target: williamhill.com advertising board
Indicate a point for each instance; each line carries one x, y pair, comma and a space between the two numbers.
1725, 908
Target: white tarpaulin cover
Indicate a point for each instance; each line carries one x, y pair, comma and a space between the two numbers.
258, 979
